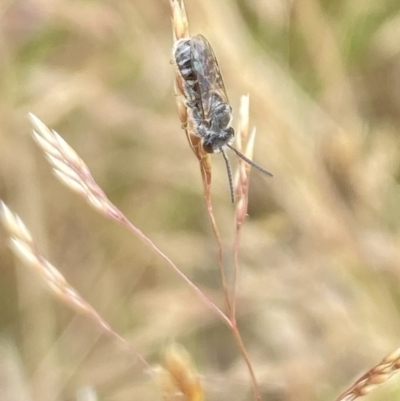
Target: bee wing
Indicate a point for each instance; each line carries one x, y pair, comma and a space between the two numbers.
209, 76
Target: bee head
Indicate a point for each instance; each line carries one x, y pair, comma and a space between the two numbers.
214, 141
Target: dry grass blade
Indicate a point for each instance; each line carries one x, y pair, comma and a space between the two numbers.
24, 247
241, 191
241, 186
74, 173
373, 378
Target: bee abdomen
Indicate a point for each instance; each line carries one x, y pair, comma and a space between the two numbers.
183, 59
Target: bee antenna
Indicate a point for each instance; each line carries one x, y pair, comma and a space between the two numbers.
247, 160
228, 169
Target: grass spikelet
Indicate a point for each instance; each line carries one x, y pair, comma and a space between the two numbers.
242, 176
25, 248
180, 28
177, 377
69, 168
373, 378
180, 22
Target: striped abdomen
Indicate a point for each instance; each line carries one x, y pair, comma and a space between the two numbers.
183, 60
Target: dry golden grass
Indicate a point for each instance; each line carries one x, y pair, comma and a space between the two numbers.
317, 295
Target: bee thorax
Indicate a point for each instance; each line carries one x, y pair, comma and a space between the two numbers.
222, 115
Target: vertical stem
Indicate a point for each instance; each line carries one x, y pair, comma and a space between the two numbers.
217, 235
243, 351
207, 195
235, 274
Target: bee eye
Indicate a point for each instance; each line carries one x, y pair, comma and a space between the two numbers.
208, 146
230, 132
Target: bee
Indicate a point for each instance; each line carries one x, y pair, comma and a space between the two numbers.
207, 100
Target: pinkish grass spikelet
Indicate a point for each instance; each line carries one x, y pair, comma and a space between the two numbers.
69, 168
26, 249
243, 121
14, 224
250, 146
242, 177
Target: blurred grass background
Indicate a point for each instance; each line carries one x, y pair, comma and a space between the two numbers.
319, 286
